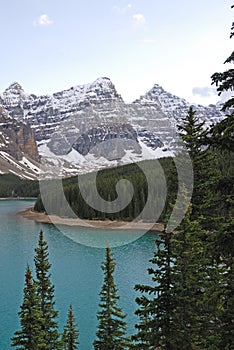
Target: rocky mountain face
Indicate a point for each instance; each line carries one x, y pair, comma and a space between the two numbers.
175, 107
90, 126
46, 113
17, 138
18, 147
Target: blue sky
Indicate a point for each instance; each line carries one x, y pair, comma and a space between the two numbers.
49, 45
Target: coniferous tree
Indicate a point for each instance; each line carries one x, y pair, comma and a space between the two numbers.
156, 304
70, 333
196, 287
45, 291
205, 165
179, 309
222, 137
222, 132
32, 335
111, 332
223, 247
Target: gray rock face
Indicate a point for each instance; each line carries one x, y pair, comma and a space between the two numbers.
122, 134
83, 118
18, 148
176, 108
46, 113
16, 138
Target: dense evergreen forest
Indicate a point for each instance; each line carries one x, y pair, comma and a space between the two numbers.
106, 187
219, 163
13, 186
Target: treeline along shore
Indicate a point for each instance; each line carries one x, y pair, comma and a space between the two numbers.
151, 186
30, 214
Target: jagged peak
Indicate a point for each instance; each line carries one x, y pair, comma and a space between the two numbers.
158, 92
102, 85
103, 79
102, 82
15, 88
158, 89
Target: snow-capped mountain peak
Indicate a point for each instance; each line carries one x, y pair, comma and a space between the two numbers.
14, 89
78, 121
177, 108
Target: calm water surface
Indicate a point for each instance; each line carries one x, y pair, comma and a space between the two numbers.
76, 272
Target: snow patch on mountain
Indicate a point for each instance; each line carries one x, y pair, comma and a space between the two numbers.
88, 127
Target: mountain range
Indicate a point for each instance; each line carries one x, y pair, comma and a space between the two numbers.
88, 127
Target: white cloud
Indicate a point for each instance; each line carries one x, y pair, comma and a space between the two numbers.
204, 91
43, 20
122, 10
139, 18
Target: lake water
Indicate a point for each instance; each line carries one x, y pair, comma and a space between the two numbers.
76, 272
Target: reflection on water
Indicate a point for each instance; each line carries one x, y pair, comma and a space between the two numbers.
98, 238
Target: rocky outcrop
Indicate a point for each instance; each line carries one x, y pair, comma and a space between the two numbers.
124, 135
72, 127
176, 108
25, 140
73, 112
46, 113
17, 139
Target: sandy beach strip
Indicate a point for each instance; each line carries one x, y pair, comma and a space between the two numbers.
30, 214
18, 198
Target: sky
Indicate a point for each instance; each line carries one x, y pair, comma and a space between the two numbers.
50, 45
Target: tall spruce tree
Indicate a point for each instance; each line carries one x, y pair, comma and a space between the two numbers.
223, 132
205, 165
45, 291
196, 287
70, 332
31, 335
222, 137
179, 309
111, 334
156, 304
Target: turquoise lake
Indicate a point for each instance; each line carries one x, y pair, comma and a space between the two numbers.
76, 271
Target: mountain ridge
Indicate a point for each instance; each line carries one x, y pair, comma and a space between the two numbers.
71, 126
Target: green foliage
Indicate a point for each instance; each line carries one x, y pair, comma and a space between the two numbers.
189, 304
222, 134
32, 335
45, 291
196, 280
204, 161
111, 332
156, 327
222, 138
13, 186
192, 133
106, 186
70, 333
226, 327
180, 309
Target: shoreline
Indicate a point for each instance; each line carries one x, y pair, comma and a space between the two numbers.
102, 224
17, 198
